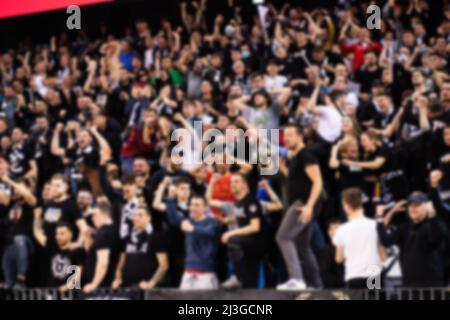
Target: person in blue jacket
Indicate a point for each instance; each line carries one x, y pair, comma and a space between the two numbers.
201, 243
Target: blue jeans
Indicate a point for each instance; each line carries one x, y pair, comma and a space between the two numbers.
15, 259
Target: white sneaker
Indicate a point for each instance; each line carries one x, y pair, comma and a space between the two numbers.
231, 283
292, 284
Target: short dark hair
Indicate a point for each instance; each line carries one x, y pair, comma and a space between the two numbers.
105, 208
127, 180
335, 94
198, 196
240, 174
64, 224
182, 180
353, 197
295, 126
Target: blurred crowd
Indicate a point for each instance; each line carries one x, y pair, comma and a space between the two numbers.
91, 194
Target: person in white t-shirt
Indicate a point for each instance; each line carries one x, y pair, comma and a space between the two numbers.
328, 117
273, 80
357, 243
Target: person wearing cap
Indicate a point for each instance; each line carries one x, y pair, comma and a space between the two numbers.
421, 241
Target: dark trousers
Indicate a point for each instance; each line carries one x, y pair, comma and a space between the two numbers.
357, 283
246, 253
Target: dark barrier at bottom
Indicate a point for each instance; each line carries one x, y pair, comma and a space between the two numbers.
176, 294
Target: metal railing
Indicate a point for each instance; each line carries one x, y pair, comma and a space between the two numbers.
243, 294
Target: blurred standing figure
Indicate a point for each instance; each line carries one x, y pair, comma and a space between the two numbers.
304, 182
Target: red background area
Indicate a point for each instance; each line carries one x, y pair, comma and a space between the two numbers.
11, 8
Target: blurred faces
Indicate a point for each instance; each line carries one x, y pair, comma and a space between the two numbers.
129, 190
84, 200
367, 142
417, 78
17, 136
238, 185
447, 135
141, 218
84, 138
63, 236
197, 208
292, 138
141, 167
183, 191
417, 211
59, 188
445, 92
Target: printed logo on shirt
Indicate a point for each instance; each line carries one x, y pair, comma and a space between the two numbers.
52, 215
59, 265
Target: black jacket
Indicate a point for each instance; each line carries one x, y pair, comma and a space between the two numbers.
422, 252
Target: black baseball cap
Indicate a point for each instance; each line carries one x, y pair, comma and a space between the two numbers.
418, 197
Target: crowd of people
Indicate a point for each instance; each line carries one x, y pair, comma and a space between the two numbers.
92, 196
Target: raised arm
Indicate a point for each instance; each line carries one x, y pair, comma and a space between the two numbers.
158, 203
21, 190
38, 231
56, 149
275, 203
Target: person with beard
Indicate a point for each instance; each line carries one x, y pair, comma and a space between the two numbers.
304, 205
85, 201
103, 252
18, 233
143, 261
368, 72
62, 257
60, 208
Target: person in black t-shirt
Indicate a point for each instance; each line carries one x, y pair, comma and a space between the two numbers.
175, 236
61, 208
304, 182
103, 252
41, 139
440, 159
143, 261
20, 156
62, 258
18, 234
373, 162
248, 242
348, 176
